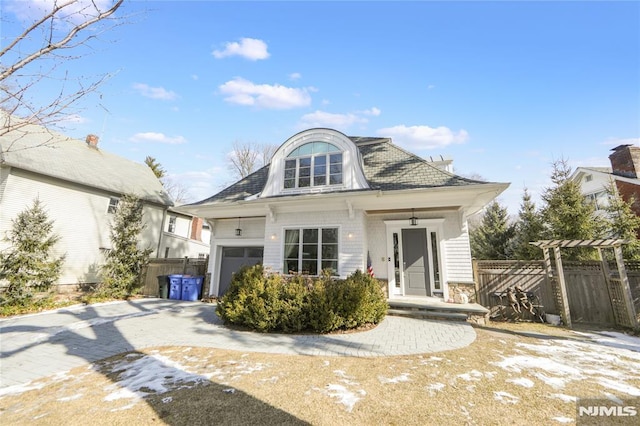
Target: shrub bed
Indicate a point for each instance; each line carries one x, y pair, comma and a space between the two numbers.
270, 302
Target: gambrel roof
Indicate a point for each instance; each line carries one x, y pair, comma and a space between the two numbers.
386, 167
46, 152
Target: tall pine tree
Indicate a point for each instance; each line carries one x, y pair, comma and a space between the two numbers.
567, 214
122, 272
492, 238
528, 228
28, 264
622, 222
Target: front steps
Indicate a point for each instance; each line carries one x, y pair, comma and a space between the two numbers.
433, 308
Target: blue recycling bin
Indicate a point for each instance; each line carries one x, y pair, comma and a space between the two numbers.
192, 288
175, 287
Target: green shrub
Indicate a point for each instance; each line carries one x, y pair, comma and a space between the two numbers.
275, 303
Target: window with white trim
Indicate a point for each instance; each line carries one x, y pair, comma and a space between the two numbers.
113, 205
309, 251
313, 164
172, 224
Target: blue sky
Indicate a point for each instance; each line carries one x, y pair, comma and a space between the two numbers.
503, 88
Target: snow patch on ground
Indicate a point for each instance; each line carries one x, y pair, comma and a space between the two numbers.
505, 397
404, 377
146, 375
563, 397
522, 381
344, 395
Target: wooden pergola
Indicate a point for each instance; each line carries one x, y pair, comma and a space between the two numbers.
619, 289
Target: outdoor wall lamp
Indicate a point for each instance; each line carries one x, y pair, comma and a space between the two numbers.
413, 219
238, 229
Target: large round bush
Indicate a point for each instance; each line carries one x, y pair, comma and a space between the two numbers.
271, 302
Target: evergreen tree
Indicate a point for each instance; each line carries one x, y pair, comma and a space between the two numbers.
122, 272
528, 228
492, 239
622, 222
567, 214
155, 167
28, 265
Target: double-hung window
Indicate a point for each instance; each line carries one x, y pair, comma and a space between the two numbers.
113, 205
313, 164
308, 251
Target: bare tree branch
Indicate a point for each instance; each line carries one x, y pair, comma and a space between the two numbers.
62, 43
68, 25
247, 157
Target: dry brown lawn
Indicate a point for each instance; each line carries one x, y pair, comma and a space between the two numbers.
520, 374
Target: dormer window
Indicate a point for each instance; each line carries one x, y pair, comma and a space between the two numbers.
313, 164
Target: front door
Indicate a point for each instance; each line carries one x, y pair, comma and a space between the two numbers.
415, 264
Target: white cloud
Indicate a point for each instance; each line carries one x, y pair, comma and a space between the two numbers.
327, 119
372, 111
424, 137
249, 48
620, 141
243, 92
154, 92
295, 76
155, 137
431, 87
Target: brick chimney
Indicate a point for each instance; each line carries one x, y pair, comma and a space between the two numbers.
92, 140
625, 161
196, 229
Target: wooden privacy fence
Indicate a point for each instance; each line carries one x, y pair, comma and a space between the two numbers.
591, 291
182, 266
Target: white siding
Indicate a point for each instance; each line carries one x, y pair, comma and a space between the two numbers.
458, 265
456, 256
182, 247
352, 249
80, 219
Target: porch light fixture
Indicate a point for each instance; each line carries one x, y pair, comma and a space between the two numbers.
413, 219
238, 229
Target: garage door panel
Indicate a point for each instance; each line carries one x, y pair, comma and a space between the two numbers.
234, 258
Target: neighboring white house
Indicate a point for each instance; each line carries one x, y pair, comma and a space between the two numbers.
329, 201
625, 166
79, 185
593, 183
184, 235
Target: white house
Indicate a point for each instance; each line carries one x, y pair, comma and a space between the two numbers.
79, 185
184, 235
623, 173
329, 201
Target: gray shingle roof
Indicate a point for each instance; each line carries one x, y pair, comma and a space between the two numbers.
46, 152
387, 167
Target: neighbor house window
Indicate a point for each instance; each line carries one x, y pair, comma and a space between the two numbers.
598, 199
172, 224
308, 251
113, 205
313, 164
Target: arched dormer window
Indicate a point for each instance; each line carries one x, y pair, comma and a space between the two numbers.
313, 164
313, 161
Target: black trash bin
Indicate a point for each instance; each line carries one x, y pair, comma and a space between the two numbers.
163, 286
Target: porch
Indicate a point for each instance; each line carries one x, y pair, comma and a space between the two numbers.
436, 308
